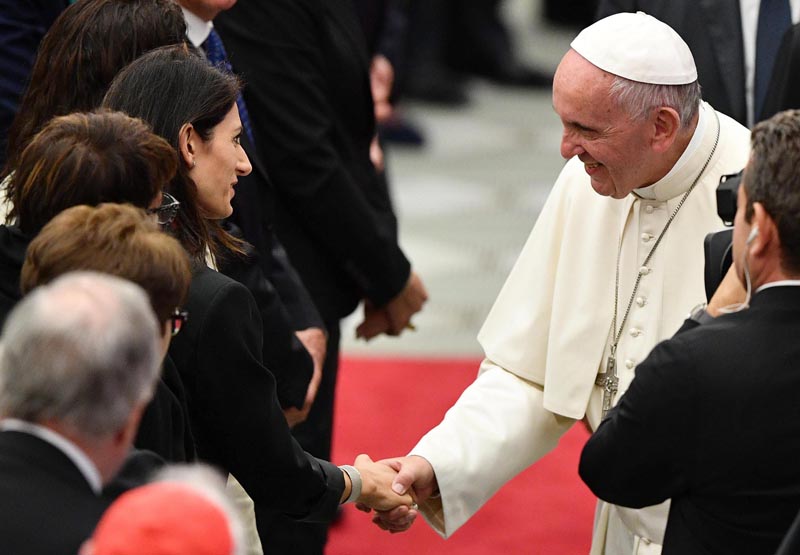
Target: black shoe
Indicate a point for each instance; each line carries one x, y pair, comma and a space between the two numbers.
399, 131
440, 86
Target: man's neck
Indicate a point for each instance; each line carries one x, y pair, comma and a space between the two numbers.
776, 276
204, 13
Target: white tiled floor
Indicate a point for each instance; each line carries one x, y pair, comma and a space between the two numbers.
467, 201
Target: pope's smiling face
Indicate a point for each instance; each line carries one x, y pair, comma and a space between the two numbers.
613, 147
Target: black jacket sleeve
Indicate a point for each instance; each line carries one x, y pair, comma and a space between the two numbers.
238, 422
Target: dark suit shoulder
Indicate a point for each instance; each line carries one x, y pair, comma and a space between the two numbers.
46, 505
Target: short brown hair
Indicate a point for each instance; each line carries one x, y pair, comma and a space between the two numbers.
89, 159
772, 178
115, 239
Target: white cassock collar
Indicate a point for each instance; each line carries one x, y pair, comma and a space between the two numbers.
680, 177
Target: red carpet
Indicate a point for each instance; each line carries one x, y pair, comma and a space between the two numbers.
385, 405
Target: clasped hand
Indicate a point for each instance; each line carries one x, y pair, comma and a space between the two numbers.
413, 476
395, 316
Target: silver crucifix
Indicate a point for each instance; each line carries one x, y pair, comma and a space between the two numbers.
609, 382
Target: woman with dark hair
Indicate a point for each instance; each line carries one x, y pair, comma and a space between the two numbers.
192, 106
79, 56
236, 418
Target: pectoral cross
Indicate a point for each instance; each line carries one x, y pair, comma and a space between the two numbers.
609, 382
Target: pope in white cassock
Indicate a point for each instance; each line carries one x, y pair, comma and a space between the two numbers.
612, 267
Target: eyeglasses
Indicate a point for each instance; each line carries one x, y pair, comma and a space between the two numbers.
167, 211
177, 320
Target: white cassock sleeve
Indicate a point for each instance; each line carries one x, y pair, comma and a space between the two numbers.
496, 429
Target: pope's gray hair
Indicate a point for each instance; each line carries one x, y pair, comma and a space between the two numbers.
82, 351
639, 99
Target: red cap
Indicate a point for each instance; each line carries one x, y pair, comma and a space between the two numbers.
163, 518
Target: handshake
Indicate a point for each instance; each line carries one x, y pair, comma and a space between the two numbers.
393, 488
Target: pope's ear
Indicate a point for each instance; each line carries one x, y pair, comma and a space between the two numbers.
187, 136
666, 125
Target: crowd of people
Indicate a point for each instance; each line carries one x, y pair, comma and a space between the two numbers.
195, 198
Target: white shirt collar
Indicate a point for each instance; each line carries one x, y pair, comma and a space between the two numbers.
72, 451
196, 29
649, 192
781, 283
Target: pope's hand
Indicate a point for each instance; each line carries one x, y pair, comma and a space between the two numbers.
376, 486
415, 475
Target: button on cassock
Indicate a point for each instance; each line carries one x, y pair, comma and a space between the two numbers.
648, 208
629, 364
646, 237
641, 301
644, 270
635, 332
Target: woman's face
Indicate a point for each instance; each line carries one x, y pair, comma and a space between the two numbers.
217, 164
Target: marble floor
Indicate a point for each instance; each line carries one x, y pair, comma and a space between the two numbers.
467, 200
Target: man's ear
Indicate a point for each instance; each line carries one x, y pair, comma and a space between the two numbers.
187, 144
666, 125
767, 231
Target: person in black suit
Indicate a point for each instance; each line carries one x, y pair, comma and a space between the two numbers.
784, 87
236, 418
713, 31
308, 91
712, 418
71, 409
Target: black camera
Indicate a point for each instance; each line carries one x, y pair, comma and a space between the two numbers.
718, 246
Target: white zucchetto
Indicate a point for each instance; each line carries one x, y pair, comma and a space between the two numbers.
638, 47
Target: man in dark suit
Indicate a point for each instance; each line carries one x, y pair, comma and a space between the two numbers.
79, 360
306, 66
712, 418
22, 26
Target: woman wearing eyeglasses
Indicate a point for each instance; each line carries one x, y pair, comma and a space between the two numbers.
86, 159
235, 413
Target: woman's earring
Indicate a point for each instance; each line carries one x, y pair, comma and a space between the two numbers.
194, 162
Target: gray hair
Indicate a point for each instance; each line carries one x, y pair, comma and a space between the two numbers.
209, 483
82, 351
639, 99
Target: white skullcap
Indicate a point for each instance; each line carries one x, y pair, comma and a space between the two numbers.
638, 47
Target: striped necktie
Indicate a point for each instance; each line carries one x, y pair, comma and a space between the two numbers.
215, 52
